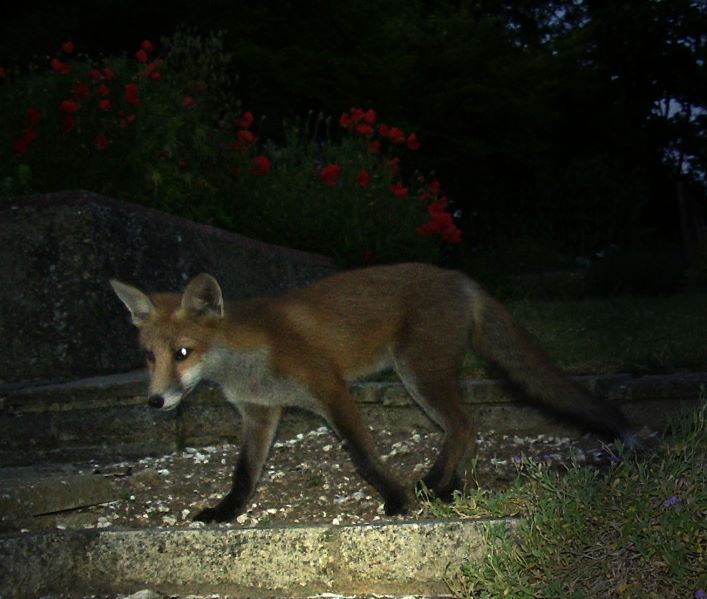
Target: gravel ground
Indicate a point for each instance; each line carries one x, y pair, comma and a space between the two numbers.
308, 479
148, 594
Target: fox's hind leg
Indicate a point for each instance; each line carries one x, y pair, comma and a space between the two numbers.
434, 385
259, 427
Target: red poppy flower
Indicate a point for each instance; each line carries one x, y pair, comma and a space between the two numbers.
364, 129
262, 165
383, 130
33, 116
399, 190
396, 135
412, 142
104, 104
374, 147
147, 46
101, 142
440, 223
124, 120
357, 115
69, 106
188, 102
394, 163
68, 47
152, 71
59, 66
370, 117
81, 91
131, 96
345, 120
103, 90
141, 55
95, 74
330, 174
246, 136
244, 121
108, 73
363, 178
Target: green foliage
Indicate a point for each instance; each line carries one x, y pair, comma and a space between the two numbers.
636, 530
648, 271
620, 334
162, 132
558, 122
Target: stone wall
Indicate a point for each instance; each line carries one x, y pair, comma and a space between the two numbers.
59, 318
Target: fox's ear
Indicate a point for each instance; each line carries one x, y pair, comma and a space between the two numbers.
136, 301
203, 297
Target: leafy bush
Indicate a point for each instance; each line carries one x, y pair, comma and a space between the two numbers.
166, 132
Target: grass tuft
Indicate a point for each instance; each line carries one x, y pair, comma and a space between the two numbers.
634, 530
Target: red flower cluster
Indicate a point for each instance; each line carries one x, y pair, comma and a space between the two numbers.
143, 54
59, 66
245, 137
29, 134
69, 108
441, 222
97, 75
363, 121
131, 94
125, 119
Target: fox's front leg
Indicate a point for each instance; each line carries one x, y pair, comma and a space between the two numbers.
259, 427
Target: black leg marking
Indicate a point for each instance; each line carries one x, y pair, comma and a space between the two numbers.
259, 426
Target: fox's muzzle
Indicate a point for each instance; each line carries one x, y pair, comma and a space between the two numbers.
155, 401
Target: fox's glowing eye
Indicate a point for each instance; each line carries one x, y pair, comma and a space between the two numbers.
182, 354
149, 356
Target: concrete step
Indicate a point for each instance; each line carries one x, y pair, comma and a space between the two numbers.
107, 417
386, 559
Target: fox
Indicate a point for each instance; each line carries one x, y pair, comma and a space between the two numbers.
305, 347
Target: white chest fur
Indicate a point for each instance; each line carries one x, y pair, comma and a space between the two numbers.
247, 377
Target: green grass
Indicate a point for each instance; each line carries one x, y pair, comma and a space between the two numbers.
636, 334
635, 530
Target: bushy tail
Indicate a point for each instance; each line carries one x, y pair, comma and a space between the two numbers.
498, 338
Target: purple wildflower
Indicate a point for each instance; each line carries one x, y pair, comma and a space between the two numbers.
670, 502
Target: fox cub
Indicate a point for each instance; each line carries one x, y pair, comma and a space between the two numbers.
304, 347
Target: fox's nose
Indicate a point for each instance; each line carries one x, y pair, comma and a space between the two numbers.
155, 401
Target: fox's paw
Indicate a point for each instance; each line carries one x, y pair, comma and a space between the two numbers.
396, 504
211, 514
444, 493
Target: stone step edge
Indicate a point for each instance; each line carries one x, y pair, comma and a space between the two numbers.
130, 388
410, 557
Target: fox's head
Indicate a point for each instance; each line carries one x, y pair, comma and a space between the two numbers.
175, 334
